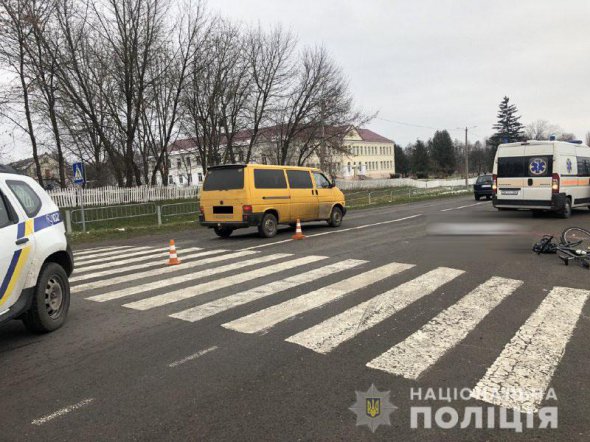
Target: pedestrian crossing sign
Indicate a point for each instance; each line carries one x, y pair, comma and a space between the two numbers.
78, 173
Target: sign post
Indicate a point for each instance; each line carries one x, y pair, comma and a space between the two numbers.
80, 180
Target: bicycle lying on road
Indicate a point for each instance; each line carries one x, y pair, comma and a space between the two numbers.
574, 246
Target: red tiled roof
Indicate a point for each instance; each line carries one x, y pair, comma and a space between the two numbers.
244, 136
370, 136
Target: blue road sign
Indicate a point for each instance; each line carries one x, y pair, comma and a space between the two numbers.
78, 173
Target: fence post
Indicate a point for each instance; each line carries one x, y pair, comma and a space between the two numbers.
68, 215
159, 213
369, 198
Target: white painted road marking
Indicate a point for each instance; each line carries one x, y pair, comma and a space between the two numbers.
63, 411
527, 363
271, 316
411, 357
228, 281
220, 305
364, 226
329, 334
192, 357
142, 288
108, 283
120, 254
115, 269
461, 207
97, 250
106, 263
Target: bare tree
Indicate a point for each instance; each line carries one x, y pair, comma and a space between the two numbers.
16, 31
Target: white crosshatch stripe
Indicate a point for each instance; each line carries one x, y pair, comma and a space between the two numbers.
118, 255
220, 305
271, 316
164, 270
411, 357
152, 261
527, 363
201, 289
329, 334
95, 251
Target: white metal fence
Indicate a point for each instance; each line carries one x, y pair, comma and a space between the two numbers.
399, 182
109, 196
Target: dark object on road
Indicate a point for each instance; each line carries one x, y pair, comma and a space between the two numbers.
483, 187
574, 246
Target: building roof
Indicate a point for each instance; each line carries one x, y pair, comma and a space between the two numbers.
243, 136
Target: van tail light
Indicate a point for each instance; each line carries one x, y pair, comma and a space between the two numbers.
494, 184
247, 209
555, 183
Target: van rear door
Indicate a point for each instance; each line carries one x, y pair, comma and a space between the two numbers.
510, 173
224, 194
538, 169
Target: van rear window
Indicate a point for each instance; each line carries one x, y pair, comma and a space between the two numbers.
224, 179
525, 167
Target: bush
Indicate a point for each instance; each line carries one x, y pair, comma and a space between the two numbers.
395, 175
421, 175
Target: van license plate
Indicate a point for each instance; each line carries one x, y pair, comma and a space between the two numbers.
510, 192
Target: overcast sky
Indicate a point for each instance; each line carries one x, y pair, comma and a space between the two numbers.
444, 64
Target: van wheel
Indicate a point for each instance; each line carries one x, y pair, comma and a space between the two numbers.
566, 212
223, 232
335, 217
51, 300
268, 227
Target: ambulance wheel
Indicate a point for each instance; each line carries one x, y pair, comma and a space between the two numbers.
51, 300
223, 232
566, 212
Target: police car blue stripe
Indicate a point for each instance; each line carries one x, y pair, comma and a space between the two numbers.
42, 222
20, 231
9, 273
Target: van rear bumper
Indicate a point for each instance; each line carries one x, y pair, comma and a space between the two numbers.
249, 220
556, 203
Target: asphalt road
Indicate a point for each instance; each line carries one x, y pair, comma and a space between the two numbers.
252, 339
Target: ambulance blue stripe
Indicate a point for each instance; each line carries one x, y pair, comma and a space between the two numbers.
9, 273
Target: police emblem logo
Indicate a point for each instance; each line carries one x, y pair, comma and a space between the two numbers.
538, 166
372, 408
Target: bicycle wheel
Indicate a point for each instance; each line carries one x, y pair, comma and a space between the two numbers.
576, 235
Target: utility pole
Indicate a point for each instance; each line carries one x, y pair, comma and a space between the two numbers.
323, 145
467, 155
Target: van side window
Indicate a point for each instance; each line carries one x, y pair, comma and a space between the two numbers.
321, 181
299, 179
26, 196
269, 179
583, 166
4, 213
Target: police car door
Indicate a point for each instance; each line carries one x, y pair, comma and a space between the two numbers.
16, 252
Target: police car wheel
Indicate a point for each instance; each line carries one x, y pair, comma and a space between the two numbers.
51, 300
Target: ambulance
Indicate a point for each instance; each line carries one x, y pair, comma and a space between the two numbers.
35, 259
542, 176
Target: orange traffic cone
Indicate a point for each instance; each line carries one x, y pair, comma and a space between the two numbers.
173, 260
298, 233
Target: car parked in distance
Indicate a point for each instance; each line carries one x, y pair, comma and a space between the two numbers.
483, 187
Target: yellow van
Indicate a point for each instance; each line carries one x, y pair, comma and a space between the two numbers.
246, 195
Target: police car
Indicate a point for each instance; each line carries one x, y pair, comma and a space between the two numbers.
35, 259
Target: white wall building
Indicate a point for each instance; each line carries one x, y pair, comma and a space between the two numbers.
367, 155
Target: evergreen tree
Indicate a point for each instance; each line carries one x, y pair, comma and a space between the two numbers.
442, 152
420, 161
402, 162
508, 129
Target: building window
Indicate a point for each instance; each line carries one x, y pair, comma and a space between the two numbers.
200, 177
181, 179
170, 179
190, 178
178, 163
188, 162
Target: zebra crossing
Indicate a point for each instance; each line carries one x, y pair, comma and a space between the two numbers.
527, 362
